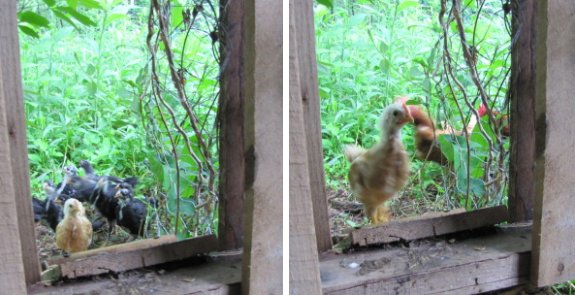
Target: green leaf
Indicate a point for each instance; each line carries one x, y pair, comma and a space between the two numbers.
77, 15
28, 31
326, 3
65, 18
177, 18
407, 4
33, 19
72, 3
90, 4
50, 3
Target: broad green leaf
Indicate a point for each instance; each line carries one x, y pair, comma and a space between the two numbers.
64, 17
176, 16
90, 4
77, 15
326, 3
28, 31
33, 19
72, 3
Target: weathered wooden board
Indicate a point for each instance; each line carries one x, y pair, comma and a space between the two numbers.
303, 256
213, 278
428, 226
126, 247
553, 223
308, 87
230, 121
100, 262
522, 161
263, 125
16, 127
472, 266
12, 277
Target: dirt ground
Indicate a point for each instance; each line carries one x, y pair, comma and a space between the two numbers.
346, 212
46, 244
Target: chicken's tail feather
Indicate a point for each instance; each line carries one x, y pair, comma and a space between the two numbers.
352, 151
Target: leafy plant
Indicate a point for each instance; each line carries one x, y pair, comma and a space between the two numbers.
86, 80
369, 52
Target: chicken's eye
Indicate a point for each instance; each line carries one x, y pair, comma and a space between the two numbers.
395, 113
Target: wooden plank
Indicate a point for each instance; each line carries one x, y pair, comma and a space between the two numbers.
12, 277
522, 161
553, 259
263, 202
303, 256
471, 266
102, 262
126, 247
428, 226
215, 277
230, 121
305, 37
14, 102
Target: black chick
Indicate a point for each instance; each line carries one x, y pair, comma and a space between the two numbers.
88, 170
53, 206
81, 188
91, 175
131, 214
105, 201
38, 206
65, 188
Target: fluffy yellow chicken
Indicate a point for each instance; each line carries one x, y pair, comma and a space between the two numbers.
74, 232
378, 173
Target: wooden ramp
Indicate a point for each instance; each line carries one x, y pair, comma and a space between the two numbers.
429, 225
433, 266
220, 276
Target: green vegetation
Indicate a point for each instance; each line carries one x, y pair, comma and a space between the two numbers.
370, 52
89, 94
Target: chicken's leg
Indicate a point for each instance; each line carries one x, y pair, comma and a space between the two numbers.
378, 214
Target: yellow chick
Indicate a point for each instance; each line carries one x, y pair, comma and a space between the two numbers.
378, 173
74, 232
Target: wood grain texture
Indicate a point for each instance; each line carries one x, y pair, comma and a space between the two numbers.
471, 266
522, 161
126, 247
303, 256
230, 120
118, 260
305, 37
263, 202
428, 226
553, 252
212, 278
16, 126
12, 277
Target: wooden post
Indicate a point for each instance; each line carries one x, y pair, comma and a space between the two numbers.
553, 227
11, 97
12, 277
305, 37
522, 162
303, 262
230, 119
263, 253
